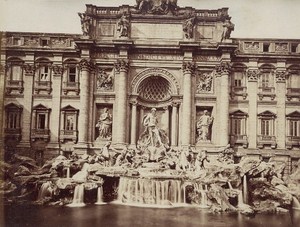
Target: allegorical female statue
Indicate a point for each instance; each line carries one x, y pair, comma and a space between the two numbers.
104, 125
203, 126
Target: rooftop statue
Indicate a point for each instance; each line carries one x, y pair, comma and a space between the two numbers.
123, 26
228, 28
85, 23
156, 6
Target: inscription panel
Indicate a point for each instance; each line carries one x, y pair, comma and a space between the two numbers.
156, 31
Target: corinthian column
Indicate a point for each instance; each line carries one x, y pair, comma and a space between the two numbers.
86, 66
120, 120
222, 72
188, 69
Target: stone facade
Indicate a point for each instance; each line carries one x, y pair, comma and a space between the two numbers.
74, 92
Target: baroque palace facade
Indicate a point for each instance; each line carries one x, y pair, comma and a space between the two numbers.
67, 93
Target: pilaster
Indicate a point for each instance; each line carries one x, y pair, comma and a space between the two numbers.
174, 124
280, 75
252, 75
56, 71
28, 77
2, 79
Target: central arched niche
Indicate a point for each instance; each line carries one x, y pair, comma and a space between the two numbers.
155, 89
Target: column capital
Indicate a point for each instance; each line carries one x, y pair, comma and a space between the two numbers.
86, 65
121, 65
133, 102
57, 70
281, 75
175, 104
189, 67
223, 68
29, 69
253, 75
3, 68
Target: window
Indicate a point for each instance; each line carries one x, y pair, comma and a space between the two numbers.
13, 121
40, 123
16, 73
266, 82
44, 42
69, 116
294, 47
71, 78
295, 80
72, 74
13, 116
293, 129
44, 73
266, 47
69, 121
238, 130
266, 129
14, 77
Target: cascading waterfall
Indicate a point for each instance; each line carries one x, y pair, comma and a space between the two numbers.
245, 190
151, 191
100, 196
240, 198
78, 199
203, 192
229, 185
296, 203
68, 172
44, 190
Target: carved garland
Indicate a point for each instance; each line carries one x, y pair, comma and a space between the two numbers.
57, 70
253, 74
29, 69
281, 76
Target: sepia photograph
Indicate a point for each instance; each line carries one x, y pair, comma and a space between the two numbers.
150, 113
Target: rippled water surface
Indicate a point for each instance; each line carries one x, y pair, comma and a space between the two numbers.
111, 215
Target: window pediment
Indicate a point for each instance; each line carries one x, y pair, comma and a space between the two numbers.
267, 114
239, 113
69, 108
40, 107
295, 114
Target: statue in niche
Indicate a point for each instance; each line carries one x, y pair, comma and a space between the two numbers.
104, 81
204, 83
123, 26
152, 135
228, 28
188, 27
203, 126
104, 125
85, 23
